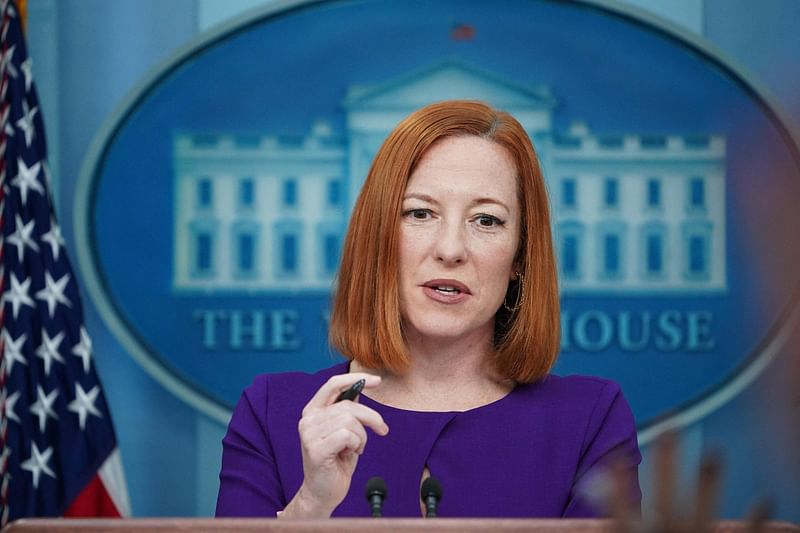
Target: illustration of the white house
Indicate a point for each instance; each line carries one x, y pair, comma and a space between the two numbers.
266, 212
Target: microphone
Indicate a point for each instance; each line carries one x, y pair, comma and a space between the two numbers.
376, 493
431, 494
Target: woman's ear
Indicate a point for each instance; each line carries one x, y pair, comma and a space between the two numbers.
516, 268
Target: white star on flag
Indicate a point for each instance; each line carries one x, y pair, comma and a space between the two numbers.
48, 350
18, 295
22, 237
5, 6
26, 179
46, 172
4, 456
6, 63
38, 463
27, 70
25, 122
43, 406
83, 404
53, 292
13, 351
54, 238
84, 349
10, 403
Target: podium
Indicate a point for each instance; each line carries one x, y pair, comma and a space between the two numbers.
348, 525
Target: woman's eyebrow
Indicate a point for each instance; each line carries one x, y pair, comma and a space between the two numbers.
489, 200
420, 196
476, 202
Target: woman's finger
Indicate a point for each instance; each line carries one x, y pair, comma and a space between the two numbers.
326, 395
315, 418
365, 415
312, 435
322, 426
333, 444
349, 422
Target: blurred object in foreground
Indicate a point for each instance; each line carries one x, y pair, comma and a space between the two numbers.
675, 512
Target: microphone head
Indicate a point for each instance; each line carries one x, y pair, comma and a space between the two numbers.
376, 486
431, 487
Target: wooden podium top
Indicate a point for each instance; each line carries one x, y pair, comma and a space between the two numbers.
347, 525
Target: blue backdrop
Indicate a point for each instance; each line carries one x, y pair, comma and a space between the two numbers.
101, 51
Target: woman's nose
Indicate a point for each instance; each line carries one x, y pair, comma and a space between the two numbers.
450, 243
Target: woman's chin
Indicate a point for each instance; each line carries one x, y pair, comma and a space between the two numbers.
446, 331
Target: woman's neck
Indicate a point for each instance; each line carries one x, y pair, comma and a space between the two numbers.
443, 375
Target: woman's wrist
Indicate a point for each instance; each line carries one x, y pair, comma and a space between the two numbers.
304, 505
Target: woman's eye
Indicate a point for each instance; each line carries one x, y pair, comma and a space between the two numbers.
418, 214
488, 221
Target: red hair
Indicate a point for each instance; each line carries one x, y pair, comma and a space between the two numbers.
365, 318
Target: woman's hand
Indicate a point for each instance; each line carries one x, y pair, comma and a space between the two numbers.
332, 436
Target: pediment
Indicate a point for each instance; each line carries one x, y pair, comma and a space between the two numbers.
447, 80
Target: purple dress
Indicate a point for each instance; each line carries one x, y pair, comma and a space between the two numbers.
537, 452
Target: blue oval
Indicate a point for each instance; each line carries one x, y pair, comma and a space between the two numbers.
215, 206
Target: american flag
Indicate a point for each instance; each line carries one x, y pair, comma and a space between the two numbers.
57, 444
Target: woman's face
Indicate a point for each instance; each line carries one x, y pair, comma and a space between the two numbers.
459, 233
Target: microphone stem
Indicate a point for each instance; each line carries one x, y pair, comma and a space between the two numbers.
376, 503
430, 507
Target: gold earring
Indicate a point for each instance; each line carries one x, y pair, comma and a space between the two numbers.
520, 294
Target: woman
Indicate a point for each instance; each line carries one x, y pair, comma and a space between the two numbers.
447, 306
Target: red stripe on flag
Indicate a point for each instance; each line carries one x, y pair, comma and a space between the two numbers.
93, 501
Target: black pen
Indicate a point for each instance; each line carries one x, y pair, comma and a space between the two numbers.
353, 391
